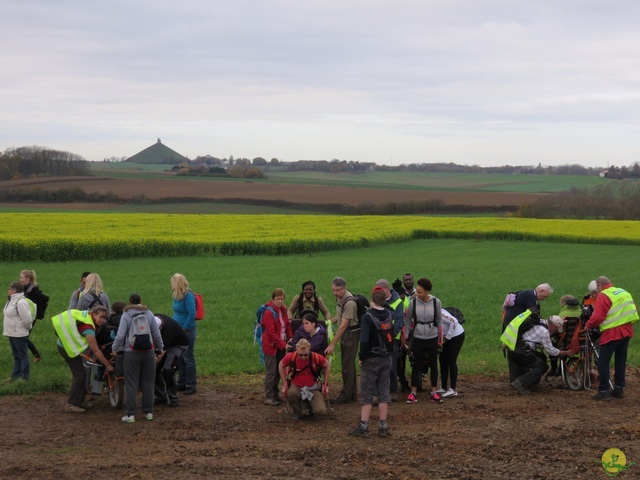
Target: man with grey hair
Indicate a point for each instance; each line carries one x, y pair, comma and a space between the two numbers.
524, 300
348, 334
614, 314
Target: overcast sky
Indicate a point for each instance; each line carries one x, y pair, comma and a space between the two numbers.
487, 82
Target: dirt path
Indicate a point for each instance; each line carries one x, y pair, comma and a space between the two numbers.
224, 431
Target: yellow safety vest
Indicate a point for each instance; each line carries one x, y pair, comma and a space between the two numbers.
393, 307
67, 330
623, 309
510, 335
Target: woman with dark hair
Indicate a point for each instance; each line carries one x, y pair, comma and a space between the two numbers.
424, 335
311, 331
308, 300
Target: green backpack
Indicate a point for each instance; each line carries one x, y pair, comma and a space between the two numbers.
32, 307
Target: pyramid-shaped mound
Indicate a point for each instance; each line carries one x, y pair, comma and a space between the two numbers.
157, 153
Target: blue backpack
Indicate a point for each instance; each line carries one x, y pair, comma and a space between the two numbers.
258, 329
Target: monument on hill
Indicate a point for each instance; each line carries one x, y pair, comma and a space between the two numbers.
158, 153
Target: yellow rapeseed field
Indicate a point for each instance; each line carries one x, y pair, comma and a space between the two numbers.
61, 236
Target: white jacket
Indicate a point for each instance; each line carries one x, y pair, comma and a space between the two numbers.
17, 317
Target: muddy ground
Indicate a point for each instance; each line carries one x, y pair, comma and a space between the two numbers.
224, 431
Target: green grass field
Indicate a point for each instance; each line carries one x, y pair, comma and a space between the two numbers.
472, 275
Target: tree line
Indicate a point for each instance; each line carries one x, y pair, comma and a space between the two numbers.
27, 162
612, 201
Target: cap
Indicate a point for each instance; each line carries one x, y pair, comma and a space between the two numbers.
377, 288
557, 321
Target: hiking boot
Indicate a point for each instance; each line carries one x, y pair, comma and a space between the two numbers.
384, 432
359, 431
174, 403
604, 396
73, 409
618, 392
129, 419
435, 398
411, 398
148, 416
449, 393
271, 402
86, 405
518, 386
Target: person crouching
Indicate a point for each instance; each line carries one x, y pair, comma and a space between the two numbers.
300, 372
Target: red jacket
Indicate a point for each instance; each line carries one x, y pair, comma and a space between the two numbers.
271, 329
599, 315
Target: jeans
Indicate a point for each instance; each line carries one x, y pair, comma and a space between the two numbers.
187, 366
619, 347
20, 357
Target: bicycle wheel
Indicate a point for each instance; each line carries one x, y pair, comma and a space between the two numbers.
116, 391
574, 373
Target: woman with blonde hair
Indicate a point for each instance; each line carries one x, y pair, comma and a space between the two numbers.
184, 312
33, 293
93, 294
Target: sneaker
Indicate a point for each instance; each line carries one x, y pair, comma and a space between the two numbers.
604, 396
449, 393
73, 409
440, 391
618, 392
271, 402
518, 386
435, 397
359, 431
384, 432
412, 398
148, 416
129, 419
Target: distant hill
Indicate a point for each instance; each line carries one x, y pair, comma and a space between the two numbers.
158, 154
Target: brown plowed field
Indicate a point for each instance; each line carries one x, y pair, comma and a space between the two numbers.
225, 432
219, 190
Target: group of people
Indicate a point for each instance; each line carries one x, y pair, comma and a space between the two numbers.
403, 321
146, 348
528, 338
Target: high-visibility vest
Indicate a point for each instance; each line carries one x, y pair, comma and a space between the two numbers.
510, 335
623, 309
392, 307
67, 330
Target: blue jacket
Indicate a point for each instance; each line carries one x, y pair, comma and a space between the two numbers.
184, 311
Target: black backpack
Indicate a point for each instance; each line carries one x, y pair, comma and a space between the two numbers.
456, 313
363, 305
384, 330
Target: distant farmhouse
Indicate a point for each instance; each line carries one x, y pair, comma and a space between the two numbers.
158, 153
